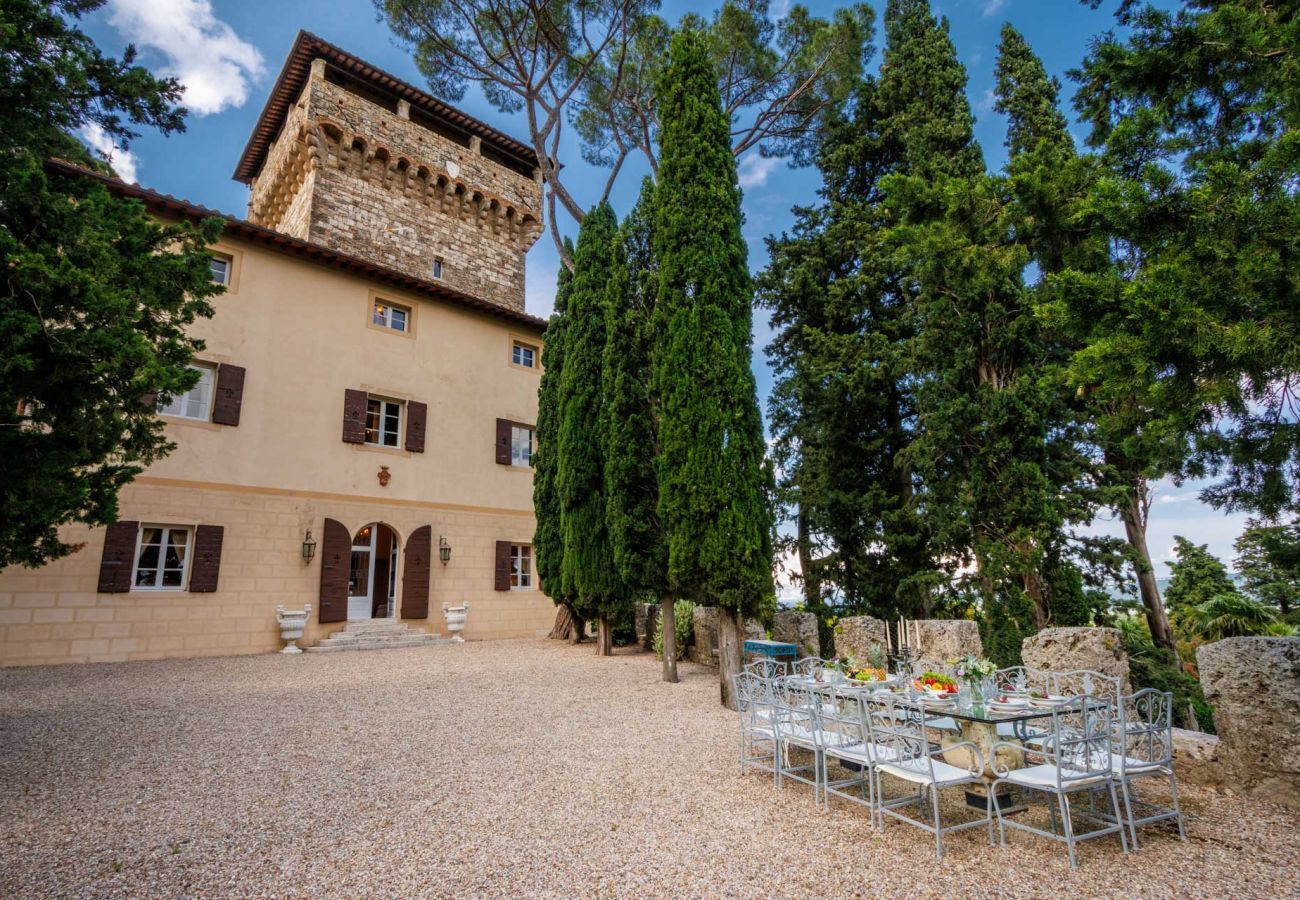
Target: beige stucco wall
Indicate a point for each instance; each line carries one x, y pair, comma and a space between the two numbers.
301, 331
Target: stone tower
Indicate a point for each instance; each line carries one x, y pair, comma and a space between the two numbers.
349, 157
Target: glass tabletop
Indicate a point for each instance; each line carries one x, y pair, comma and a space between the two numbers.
987, 714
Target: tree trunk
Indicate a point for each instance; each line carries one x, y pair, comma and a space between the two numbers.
1135, 528
563, 624
668, 622
728, 654
604, 637
1034, 591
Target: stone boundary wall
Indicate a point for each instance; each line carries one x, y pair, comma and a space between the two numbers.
1253, 683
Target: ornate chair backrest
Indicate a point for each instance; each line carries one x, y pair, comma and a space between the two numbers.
1085, 682
809, 666
765, 668
1143, 731
798, 708
1078, 743
1023, 678
844, 718
900, 729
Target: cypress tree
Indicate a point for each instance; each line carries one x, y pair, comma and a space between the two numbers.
1028, 97
587, 572
627, 426
548, 540
713, 503
844, 405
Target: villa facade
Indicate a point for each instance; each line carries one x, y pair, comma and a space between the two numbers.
361, 434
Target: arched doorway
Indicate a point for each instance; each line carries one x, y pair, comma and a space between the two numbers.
372, 576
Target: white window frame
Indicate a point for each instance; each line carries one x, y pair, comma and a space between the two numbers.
228, 262
515, 432
381, 314
163, 541
181, 401
518, 554
385, 405
518, 349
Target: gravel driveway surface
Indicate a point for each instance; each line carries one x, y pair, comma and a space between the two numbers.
509, 768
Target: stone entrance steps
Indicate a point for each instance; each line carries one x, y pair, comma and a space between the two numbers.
376, 635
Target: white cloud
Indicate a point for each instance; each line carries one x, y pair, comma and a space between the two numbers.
123, 161
213, 63
987, 101
993, 7
754, 170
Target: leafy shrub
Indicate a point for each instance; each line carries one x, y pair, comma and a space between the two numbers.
684, 620
1154, 667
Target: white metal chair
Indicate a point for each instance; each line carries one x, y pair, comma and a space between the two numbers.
906, 755
798, 728
1143, 747
848, 739
1075, 757
757, 712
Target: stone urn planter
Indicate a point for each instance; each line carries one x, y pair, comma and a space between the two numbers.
292, 622
455, 616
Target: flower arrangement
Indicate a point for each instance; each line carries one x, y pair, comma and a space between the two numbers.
973, 668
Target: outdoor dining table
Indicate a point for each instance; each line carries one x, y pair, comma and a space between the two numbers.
977, 723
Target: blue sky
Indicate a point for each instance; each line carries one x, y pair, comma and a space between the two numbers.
228, 53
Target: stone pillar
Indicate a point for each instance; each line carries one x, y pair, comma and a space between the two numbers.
797, 628
475, 144
856, 635
705, 649
318, 68
1069, 649
403, 109
945, 639
1253, 683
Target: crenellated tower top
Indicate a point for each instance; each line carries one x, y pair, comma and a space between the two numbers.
349, 157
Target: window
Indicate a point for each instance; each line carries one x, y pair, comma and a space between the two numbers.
220, 269
521, 566
383, 422
196, 403
390, 316
521, 446
522, 354
437, 267
162, 559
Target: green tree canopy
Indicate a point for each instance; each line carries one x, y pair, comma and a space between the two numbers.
713, 498
97, 295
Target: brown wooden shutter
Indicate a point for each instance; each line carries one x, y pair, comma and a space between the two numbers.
230, 395
354, 416
501, 570
118, 561
335, 562
415, 580
417, 415
205, 567
503, 441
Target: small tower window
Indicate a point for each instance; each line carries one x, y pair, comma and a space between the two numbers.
437, 267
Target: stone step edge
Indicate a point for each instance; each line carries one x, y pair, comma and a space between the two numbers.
378, 645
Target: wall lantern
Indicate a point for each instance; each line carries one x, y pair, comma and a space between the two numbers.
308, 547
444, 550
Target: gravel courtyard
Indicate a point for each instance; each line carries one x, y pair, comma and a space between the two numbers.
517, 768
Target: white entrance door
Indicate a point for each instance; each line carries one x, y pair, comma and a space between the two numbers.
361, 577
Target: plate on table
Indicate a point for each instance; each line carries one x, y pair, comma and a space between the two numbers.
1008, 706
1049, 702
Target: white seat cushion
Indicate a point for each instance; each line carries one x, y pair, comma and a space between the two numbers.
863, 754
1044, 776
916, 771
1132, 766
